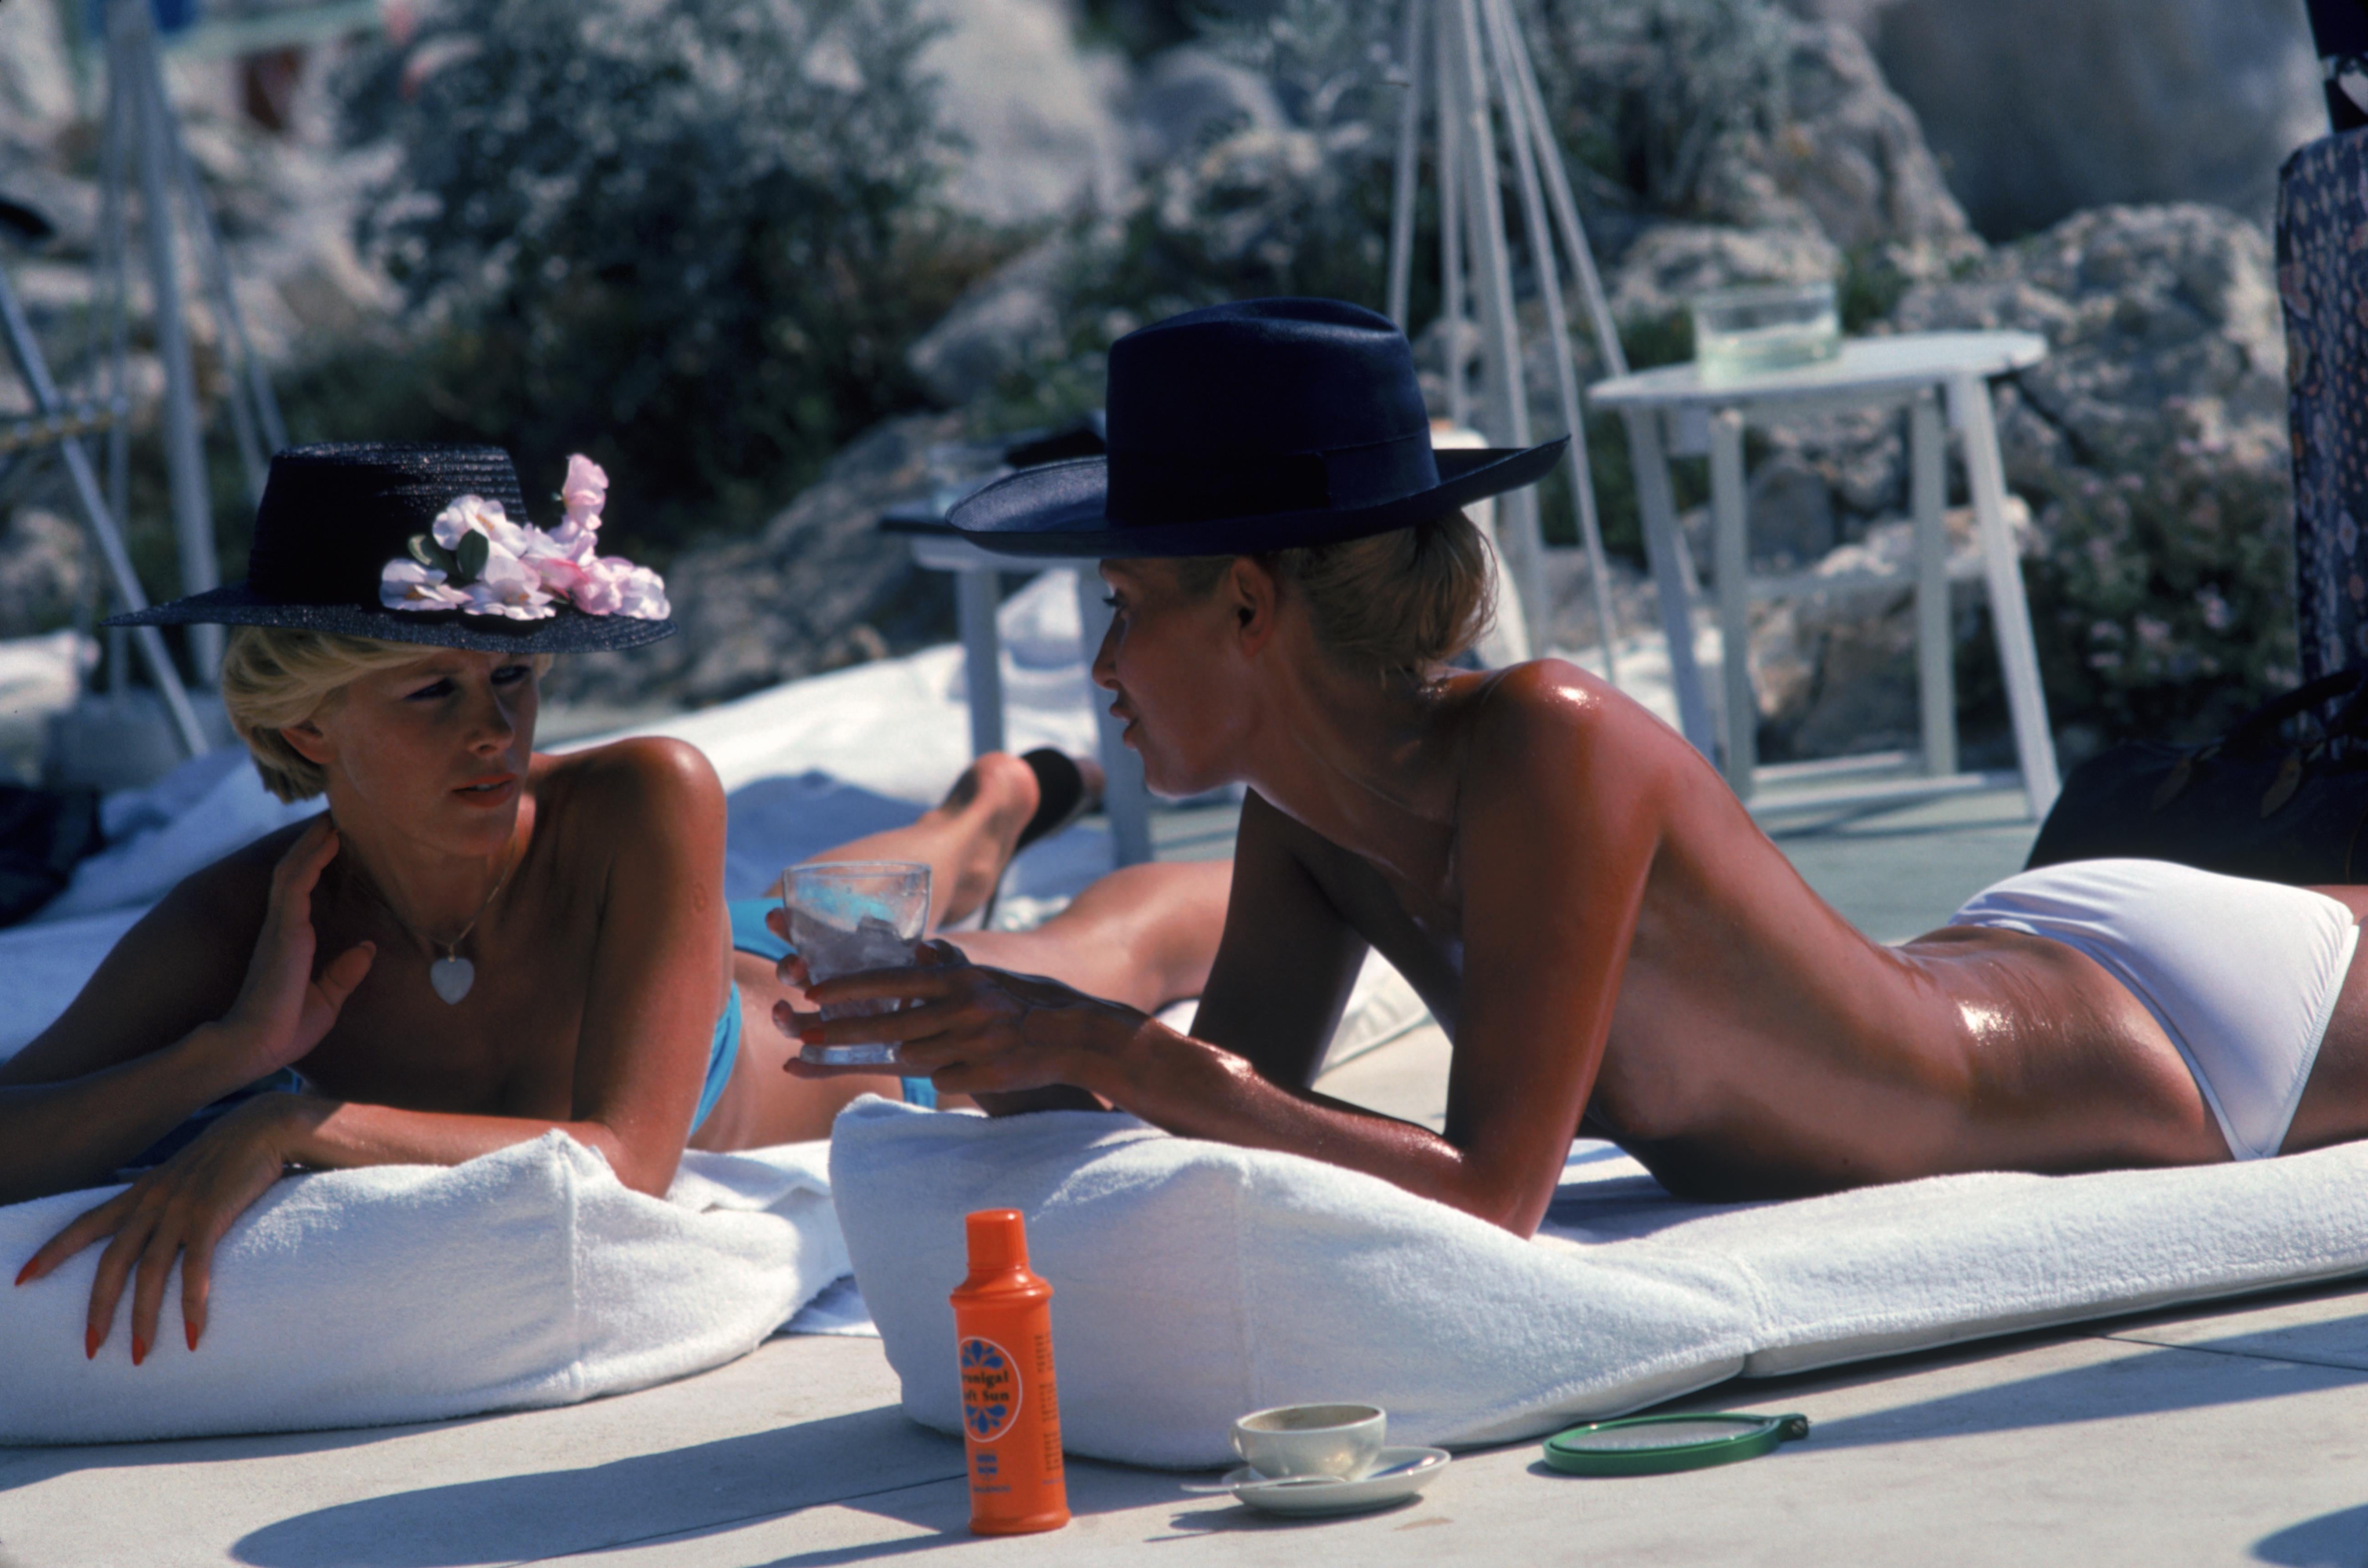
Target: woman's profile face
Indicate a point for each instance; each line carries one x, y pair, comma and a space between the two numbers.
436, 751
1171, 660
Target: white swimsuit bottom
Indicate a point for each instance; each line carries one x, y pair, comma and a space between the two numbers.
2242, 975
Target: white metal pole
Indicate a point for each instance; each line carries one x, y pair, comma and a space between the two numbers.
1574, 232
26, 352
1500, 335
1450, 223
1402, 195
264, 424
1536, 229
132, 32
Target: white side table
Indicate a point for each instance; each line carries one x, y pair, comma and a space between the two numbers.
1919, 370
1125, 800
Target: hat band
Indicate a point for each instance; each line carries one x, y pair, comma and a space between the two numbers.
1148, 488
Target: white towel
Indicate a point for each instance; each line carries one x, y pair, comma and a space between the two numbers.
530, 1277
1195, 1282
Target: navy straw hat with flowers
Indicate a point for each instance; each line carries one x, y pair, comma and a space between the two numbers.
1239, 428
429, 544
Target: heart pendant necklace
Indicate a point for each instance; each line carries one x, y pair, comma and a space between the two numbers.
451, 976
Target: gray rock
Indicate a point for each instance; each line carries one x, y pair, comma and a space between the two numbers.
1186, 97
36, 86
1036, 110
2040, 108
1791, 507
1834, 673
821, 587
1008, 319
45, 572
2160, 320
1672, 262
1850, 155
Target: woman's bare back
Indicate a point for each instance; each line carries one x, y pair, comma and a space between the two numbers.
1759, 1045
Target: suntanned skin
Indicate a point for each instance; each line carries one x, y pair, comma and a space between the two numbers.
1612, 943
602, 961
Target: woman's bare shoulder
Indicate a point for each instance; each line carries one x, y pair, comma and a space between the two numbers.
235, 888
630, 779
1549, 714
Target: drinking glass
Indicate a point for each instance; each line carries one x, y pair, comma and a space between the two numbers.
847, 917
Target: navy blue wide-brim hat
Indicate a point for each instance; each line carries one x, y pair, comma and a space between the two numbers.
333, 515
1241, 428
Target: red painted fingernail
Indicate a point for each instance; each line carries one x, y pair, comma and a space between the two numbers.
139, 1350
810, 1035
24, 1273
191, 1330
90, 1345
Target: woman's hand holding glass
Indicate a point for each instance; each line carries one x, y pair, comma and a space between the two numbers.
970, 1029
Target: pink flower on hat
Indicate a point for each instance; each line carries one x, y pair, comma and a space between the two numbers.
517, 570
406, 585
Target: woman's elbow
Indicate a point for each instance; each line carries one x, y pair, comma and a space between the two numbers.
647, 1171
1509, 1204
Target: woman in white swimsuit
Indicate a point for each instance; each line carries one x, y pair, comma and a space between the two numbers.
1612, 941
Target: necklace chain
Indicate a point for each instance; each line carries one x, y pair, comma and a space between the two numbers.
452, 946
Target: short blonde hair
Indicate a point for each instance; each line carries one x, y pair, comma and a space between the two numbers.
273, 676
1397, 603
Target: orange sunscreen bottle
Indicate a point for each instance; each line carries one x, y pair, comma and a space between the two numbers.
1011, 1415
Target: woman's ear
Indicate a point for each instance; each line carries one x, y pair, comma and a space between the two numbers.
307, 741
1252, 594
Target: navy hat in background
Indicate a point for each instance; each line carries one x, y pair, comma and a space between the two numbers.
332, 518
1236, 429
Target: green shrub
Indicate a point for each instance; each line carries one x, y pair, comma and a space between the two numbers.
2164, 605
691, 239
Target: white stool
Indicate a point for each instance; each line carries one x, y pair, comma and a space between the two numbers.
1917, 370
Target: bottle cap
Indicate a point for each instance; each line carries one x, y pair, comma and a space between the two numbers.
999, 1241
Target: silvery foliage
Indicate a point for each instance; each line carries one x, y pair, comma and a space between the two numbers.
697, 233
1648, 95
1250, 210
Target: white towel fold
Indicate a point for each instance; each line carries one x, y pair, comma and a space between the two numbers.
530, 1277
1195, 1282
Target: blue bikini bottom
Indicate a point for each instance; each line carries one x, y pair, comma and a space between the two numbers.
751, 935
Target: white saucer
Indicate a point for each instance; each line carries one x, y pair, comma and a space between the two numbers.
1396, 1474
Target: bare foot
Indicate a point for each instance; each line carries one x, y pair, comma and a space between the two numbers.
992, 800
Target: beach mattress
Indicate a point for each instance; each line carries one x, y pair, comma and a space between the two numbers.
529, 1276
1196, 1281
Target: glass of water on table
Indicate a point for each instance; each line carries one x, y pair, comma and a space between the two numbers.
847, 917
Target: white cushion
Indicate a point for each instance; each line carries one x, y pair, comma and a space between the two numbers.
529, 1276
1195, 1282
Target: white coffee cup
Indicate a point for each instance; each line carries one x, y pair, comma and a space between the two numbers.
1341, 1440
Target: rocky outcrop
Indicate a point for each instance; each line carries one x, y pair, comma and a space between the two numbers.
1186, 96
1670, 263
1848, 159
1011, 318
819, 589
2161, 322
1036, 110
2150, 446
2041, 107
46, 571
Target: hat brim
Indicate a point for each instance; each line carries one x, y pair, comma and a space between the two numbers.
568, 631
1060, 509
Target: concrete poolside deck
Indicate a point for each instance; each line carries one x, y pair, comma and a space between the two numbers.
2233, 1434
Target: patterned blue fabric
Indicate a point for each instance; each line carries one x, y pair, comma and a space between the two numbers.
2323, 283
